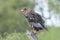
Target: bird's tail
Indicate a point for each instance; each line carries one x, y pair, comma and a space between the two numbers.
45, 27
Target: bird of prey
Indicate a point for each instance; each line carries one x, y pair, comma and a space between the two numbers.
34, 19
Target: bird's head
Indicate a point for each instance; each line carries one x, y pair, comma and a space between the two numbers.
25, 10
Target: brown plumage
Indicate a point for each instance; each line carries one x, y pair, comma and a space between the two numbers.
34, 19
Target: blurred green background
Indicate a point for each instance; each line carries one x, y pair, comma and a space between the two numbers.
13, 24
11, 19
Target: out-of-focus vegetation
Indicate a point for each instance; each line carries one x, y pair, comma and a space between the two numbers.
11, 19
54, 5
53, 34
13, 23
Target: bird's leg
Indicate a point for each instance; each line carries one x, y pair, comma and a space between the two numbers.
34, 31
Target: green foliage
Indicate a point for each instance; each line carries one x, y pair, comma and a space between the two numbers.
54, 5
52, 34
15, 36
11, 19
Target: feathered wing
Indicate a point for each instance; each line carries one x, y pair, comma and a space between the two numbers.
41, 21
35, 18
